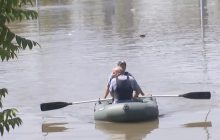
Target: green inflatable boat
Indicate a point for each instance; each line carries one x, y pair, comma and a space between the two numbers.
142, 109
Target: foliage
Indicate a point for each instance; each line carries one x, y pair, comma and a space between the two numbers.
3, 93
10, 44
8, 117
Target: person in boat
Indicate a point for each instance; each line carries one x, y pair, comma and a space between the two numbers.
122, 86
121, 64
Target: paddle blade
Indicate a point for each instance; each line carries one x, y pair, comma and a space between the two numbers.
197, 95
53, 105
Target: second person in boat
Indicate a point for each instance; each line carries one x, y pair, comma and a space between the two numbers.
121, 64
122, 86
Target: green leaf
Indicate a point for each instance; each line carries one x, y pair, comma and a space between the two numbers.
8, 119
29, 42
34, 43
3, 54
6, 126
5, 115
2, 57
18, 39
15, 2
3, 33
2, 20
18, 121
24, 43
1, 3
9, 6
1, 128
10, 36
3, 92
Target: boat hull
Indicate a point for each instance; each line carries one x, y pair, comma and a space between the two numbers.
134, 111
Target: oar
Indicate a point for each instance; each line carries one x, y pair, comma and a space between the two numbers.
57, 105
190, 95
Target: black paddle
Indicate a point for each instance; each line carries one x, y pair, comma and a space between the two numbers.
190, 95
197, 95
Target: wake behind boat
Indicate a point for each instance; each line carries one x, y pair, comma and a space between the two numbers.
139, 110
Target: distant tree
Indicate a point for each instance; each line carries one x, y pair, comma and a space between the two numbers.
10, 45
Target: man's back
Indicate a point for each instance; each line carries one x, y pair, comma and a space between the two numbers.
122, 87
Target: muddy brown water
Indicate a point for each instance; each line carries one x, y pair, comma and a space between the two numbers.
82, 40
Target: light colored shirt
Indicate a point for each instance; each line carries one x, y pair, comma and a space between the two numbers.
113, 84
111, 77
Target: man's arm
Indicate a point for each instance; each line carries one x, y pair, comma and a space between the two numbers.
136, 88
106, 92
107, 87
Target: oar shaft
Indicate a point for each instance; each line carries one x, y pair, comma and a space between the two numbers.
96, 100
190, 95
89, 101
164, 96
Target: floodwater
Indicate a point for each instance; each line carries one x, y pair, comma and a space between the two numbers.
82, 40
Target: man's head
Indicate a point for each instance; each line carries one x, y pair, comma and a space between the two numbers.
122, 64
117, 71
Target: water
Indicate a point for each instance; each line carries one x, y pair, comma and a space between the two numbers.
81, 41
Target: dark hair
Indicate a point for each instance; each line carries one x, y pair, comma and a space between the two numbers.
121, 62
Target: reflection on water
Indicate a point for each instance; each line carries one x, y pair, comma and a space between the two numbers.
53, 127
204, 17
199, 124
205, 125
204, 22
127, 131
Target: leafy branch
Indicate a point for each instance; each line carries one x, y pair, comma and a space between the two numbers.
10, 45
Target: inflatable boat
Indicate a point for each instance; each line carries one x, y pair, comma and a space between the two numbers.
142, 109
